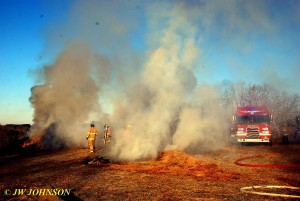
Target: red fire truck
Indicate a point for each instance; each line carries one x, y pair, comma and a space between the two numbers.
252, 124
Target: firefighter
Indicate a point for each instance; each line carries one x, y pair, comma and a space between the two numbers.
107, 134
91, 137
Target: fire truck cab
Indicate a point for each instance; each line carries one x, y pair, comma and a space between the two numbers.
252, 124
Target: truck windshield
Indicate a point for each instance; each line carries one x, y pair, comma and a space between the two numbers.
250, 119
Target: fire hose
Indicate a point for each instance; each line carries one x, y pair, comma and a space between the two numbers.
238, 162
251, 190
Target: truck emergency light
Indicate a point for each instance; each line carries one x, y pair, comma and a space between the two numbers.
250, 111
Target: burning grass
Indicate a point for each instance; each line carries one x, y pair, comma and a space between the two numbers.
35, 141
176, 163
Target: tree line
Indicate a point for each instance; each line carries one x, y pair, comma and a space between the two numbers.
283, 106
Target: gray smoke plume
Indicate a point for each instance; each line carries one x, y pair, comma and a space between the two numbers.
66, 99
152, 96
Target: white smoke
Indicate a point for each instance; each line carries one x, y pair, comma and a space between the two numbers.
168, 81
153, 99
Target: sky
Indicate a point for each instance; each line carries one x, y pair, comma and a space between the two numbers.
255, 41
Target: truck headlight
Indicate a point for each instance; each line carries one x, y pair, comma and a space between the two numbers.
240, 130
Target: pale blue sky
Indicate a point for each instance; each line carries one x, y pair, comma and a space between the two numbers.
255, 41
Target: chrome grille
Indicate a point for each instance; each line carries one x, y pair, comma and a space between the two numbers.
252, 132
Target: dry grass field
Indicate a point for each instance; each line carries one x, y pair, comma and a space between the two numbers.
174, 175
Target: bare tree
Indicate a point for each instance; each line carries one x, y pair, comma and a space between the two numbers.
284, 108
232, 97
282, 105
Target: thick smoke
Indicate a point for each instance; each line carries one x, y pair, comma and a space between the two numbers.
66, 99
152, 96
168, 81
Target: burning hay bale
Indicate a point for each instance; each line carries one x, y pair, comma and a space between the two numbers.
174, 163
177, 162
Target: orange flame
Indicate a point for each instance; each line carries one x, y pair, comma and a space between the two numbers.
31, 142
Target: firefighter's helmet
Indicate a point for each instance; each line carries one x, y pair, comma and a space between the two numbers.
92, 125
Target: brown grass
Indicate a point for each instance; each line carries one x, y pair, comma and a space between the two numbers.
175, 175
176, 163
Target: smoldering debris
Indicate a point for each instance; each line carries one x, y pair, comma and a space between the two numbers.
99, 160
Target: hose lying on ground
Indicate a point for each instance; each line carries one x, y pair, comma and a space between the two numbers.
251, 190
238, 162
